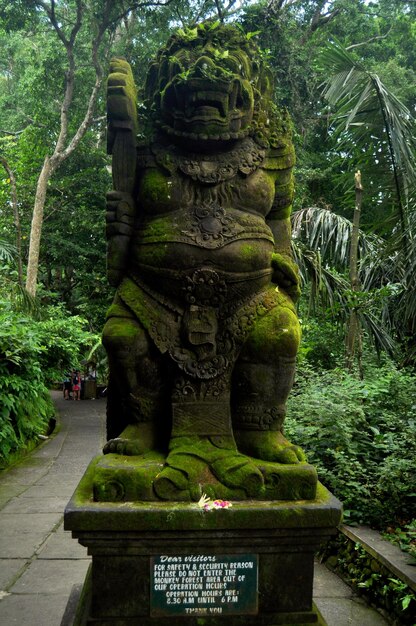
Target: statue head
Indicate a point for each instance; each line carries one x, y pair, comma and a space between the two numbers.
210, 83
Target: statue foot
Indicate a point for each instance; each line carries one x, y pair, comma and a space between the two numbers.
135, 439
211, 465
268, 445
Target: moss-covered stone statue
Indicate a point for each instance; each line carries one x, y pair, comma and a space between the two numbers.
203, 334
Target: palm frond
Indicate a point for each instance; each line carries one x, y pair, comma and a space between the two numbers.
327, 286
379, 332
370, 115
320, 237
7, 251
324, 230
24, 302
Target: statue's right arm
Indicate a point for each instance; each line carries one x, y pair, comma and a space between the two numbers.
121, 143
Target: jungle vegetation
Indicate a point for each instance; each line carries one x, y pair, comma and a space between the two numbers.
345, 69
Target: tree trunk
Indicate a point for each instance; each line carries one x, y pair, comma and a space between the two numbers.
353, 336
36, 227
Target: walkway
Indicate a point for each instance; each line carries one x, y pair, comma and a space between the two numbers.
40, 562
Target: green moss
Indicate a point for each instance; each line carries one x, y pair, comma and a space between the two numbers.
155, 255
136, 300
84, 493
197, 464
285, 190
247, 250
122, 95
283, 213
84, 513
118, 309
227, 48
159, 229
276, 333
122, 479
121, 328
156, 188
286, 265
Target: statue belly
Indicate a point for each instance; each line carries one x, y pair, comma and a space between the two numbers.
240, 268
231, 247
244, 255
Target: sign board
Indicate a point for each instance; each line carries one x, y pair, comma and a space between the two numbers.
202, 584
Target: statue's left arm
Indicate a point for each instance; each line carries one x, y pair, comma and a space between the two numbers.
279, 164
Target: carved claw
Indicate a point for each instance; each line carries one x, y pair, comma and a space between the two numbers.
197, 463
135, 439
269, 445
290, 454
119, 445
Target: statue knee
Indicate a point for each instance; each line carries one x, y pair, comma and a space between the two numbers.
123, 337
275, 335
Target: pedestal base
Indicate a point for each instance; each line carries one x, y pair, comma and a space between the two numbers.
119, 478
174, 564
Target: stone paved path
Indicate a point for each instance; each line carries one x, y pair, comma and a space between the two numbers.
40, 562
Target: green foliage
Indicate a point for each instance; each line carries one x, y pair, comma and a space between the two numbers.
404, 536
25, 406
73, 267
7, 251
33, 353
372, 579
322, 340
361, 435
385, 304
64, 342
368, 113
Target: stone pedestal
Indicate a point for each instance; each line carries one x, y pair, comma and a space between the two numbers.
174, 564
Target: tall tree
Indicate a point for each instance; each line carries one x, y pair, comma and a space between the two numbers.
69, 20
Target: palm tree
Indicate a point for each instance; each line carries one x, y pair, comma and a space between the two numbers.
373, 124
321, 246
370, 117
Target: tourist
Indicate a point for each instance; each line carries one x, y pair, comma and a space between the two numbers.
76, 386
67, 386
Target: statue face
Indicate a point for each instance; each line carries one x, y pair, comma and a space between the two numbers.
204, 89
211, 96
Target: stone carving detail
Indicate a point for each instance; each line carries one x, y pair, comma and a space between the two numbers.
203, 331
220, 167
205, 287
210, 227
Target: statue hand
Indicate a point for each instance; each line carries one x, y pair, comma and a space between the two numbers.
119, 223
120, 209
121, 100
286, 275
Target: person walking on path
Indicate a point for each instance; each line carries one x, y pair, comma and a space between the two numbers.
76, 386
67, 386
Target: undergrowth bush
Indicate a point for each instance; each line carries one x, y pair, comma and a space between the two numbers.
65, 341
25, 406
361, 436
32, 354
